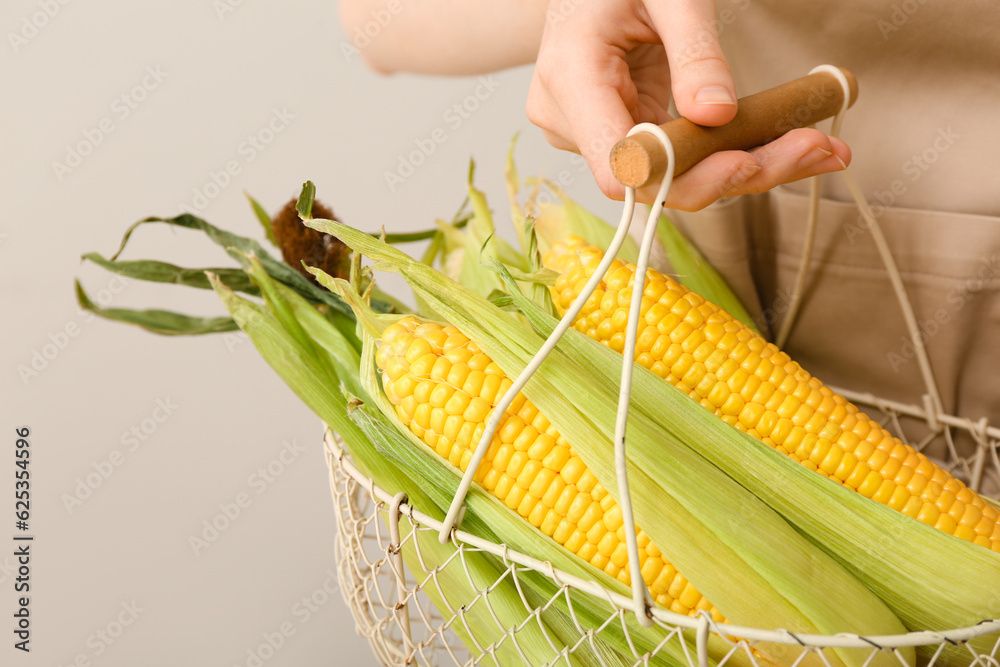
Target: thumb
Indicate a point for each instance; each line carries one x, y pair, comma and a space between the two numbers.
701, 81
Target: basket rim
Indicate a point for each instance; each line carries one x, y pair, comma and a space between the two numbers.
338, 457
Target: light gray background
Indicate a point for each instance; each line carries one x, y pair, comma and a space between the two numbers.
222, 75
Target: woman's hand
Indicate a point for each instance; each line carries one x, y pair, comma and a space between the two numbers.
605, 65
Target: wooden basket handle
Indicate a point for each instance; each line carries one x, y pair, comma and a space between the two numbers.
640, 160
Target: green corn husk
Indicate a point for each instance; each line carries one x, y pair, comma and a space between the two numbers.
310, 338
481, 246
958, 600
887, 551
540, 278
483, 517
306, 323
263, 218
456, 587
499, 524
518, 218
470, 591
723, 538
451, 590
163, 322
490, 519
527, 233
308, 371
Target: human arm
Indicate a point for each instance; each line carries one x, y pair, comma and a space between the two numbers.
453, 37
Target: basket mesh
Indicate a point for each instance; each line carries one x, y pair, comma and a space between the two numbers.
393, 609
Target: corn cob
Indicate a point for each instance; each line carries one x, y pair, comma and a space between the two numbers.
444, 387
752, 385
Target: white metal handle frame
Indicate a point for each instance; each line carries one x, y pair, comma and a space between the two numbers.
811, 223
395, 551
457, 504
933, 396
452, 517
642, 602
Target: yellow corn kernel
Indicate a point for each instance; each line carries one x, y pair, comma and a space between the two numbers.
760, 390
503, 487
566, 499
572, 471
477, 411
587, 482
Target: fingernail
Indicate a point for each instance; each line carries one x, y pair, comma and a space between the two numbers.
714, 95
814, 156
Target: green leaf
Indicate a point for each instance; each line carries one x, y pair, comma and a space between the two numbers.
263, 218
517, 214
305, 203
162, 322
411, 237
557, 220
276, 268
538, 277
162, 272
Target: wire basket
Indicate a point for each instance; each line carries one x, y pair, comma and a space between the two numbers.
392, 610
395, 609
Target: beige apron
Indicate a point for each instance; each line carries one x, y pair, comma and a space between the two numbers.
925, 137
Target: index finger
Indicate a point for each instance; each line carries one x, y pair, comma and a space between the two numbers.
702, 83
